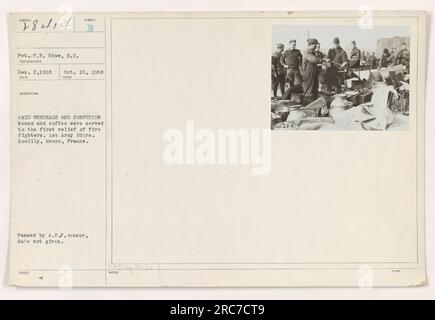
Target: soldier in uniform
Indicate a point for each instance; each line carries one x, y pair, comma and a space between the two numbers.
310, 70
403, 56
278, 71
292, 60
386, 59
339, 61
355, 56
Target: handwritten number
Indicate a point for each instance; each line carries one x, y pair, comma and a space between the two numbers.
35, 23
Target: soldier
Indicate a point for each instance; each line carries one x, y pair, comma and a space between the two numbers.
355, 56
339, 61
386, 59
310, 70
403, 56
278, 71
292, 60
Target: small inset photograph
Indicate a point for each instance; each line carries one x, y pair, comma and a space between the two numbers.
340, 77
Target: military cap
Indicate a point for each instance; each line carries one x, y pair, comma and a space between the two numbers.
292, 40
312, 41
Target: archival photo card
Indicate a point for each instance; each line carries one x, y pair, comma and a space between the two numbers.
340, 77
160, 149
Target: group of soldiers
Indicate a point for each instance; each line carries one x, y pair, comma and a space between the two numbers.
388, 58
392, 57
304, 72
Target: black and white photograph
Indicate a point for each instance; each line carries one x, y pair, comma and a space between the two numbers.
138, 161
342, 77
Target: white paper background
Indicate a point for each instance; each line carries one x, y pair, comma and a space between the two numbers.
201, 5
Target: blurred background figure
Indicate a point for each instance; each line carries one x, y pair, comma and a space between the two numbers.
373, 61
321, 67
403, 56
386, 59
393, 55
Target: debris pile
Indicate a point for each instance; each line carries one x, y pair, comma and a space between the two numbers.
378, 102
